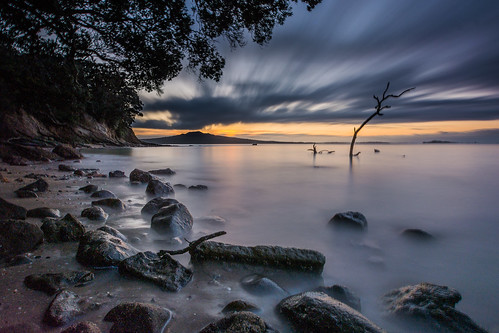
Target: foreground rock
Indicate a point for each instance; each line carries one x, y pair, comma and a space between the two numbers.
239, 322
100, 249
95, 213
83, 327
317, 312
112, 204
163, 172
157, 188
51, 283
67, 229
432, 304
65, 307
18, 237
27, 191
67, 152
353, 220
174, 220
272, 256
10, 211
342, 294
138, 317
164, 271
43, 212
103, 194
140, 176
153, 206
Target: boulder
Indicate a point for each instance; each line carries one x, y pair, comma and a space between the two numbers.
261, 285
270, 256
51, 283
43, 212
39, 185
153, 206
163, 172
239, 322
117, 174
431, 304
113, 232
65, 306
103, 194
198, 187
138, 317
10, 211
417, 234
342, 294
112, 204
65, 167
140, 176
100, 249
18, 237
317, 312
82, 327
164, 271
157, 188
353, 220
67, 152
239, 305
89, 188
174, 220
67, 229
95, 213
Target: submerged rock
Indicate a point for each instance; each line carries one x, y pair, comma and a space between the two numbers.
432, 304
354, 220
163, 172
138, 317
158, 188
174, 220
38, 186
153, 206
65, 307
18, 237
89, 188
67, 152
140, 176
51, 283
67, 229
10, 211
261, 285
100, 249
95, 213
164, 271
271, 256
417, 234
239, 322
111, 203
342, 294
104, 194
320, 313
43, 212
83, 327
238, 306
68, 168
117, 174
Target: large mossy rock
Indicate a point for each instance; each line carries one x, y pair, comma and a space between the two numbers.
273, 256
51, 283
173, 220
164, 271
65, 306
433, 305
243, 322
138, 317
10, 211
67, 229
18, 237
100, 249
320, 313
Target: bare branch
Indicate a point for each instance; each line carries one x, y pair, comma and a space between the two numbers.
192, 245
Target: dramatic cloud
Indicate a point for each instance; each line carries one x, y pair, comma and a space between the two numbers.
325, 66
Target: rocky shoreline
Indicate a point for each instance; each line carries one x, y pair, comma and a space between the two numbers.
71, 272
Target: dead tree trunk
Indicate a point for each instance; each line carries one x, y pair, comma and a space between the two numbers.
379, 107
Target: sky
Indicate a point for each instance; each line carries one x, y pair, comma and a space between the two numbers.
316, 78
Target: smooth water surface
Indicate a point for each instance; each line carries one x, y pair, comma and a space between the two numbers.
284, 195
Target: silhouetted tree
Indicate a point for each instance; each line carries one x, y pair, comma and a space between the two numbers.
379, 107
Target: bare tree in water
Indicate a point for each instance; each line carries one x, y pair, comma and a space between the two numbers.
379, 107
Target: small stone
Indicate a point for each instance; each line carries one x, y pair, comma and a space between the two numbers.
417, 234
164, 172
65, 306
89, 188
198, 187
51, 283
43, 212
64, 167
110, 203
261, 285
103, 194
239, 305
95, 213
239, 322
117, 174
138, 317
83, 327
353, 220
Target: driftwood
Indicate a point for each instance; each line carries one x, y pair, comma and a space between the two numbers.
192, 245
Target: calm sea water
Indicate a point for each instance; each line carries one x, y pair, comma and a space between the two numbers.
283, 195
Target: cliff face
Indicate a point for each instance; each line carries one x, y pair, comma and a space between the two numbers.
24, 126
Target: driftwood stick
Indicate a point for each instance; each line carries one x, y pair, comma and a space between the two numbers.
192, 245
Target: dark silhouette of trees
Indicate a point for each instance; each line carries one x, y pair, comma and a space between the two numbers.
379, 107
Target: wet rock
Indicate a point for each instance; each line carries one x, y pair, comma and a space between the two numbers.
64, 167
67, 229
38, 186
83, 327
65, 306
417, 234
153, 206
110, 203
18, 237
10, 211
432, 304
198, 187
174, 220
342, 294
79, 173
89, 188
239, 322
51, 283
100, 249
104, 194
67, 152
164, 271
140, 176
163, 172
317, 312
113, 232
239, 305
26, 194
261, 285
353, 220
95, 213
117, 174
270, 256
158, 189
138, 317
43, 212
